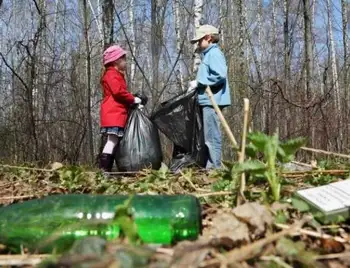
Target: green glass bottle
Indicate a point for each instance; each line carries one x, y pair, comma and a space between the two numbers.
55, 222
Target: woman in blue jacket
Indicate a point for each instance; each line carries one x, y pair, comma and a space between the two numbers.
212, 72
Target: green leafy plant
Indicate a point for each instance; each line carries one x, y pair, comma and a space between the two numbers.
124, 219
158, 175
320, 179
264, 152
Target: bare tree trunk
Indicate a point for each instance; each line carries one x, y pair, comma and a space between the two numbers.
274, 38
345, 118
31, 88
108, 23
99, 26
158, 8
242, 60
259, 35
308, 60
14, 113
275, 67
222, 14
260, 74
179, 39
344, 11
90, 138
198, 13
335, 83
154, 45
286, 42
333, 64
308, 47
132, 41
41, 101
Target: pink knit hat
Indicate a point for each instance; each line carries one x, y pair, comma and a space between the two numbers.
112, 54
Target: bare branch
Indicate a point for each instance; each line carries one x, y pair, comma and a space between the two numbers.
37, 7
14, 72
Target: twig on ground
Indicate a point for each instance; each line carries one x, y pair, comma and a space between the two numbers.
85, 172
311, 233
332, 256
16, 197
253, 249
167, 251
277, 260
214, 194
28, 168
297, 174
303, 164
21, 260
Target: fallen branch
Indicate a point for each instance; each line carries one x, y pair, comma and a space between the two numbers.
27, 168
324, 152
277, 260
214, 194
17, 197
21, 260
167, 251
54, 170
303, 164
332, 256
293, 174
311, 233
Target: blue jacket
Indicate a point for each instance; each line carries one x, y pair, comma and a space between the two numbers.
213, 72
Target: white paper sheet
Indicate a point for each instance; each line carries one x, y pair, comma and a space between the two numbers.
329, 197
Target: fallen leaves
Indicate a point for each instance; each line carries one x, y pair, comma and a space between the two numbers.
256, 216
225, 225
331, 246
295, 251
227, 229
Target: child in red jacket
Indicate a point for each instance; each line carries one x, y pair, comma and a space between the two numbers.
115, 104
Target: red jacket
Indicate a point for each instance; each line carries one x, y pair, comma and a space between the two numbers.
116, 99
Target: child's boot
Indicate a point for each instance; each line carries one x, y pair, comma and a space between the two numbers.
106, 162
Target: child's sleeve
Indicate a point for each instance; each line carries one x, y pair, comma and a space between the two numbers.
216, 70
119, 92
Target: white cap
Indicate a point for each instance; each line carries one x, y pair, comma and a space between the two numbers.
203, 31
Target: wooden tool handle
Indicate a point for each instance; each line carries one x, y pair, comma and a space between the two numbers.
221, 117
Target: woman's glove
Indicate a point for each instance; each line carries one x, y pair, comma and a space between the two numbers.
137, 100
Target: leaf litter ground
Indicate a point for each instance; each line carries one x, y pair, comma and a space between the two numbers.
254, 234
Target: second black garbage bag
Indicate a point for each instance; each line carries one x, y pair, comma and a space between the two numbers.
140, 147
180, 119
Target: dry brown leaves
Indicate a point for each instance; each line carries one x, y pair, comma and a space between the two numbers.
227, 229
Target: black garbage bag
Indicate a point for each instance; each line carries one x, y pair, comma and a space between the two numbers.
180, 119
140, 147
